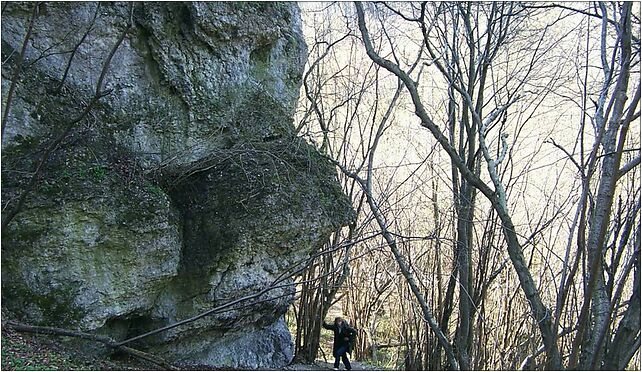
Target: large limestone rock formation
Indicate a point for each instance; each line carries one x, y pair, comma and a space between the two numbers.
183, 189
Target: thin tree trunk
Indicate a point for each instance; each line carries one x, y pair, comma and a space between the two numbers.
596, 289
627, 335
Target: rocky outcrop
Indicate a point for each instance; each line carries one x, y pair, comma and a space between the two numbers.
185, 187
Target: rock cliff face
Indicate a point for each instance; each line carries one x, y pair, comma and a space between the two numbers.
183, 189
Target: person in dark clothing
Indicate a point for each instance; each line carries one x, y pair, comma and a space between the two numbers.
343, 335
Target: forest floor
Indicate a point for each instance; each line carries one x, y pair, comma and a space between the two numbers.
27, 352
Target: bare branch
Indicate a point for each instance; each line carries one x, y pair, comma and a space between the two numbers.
18, 68
628, 166
53, 145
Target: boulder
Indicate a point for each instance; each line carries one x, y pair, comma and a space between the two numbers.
183, 189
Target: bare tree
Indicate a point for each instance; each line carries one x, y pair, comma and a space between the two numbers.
611, 123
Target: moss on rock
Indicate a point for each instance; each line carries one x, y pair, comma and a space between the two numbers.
184, 188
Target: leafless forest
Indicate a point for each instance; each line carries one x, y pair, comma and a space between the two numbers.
491, 151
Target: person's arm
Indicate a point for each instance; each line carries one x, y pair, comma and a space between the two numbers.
327, 326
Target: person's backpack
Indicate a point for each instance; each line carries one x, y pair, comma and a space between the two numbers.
352, 341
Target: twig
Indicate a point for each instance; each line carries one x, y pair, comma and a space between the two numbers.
18, 68
75, 49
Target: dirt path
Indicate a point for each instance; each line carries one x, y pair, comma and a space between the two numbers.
323, 366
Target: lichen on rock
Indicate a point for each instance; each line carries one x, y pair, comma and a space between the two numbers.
184, 188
